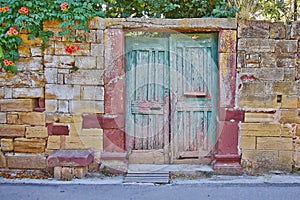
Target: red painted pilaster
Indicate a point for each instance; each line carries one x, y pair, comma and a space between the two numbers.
227, 159
114, 97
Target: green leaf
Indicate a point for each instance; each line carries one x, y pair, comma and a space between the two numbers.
14, 69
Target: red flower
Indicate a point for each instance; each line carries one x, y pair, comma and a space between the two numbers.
12, 31
8, 62
23, 10
5, 8
71, 49
64, 6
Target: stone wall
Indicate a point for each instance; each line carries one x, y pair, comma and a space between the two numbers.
268, 92
49, 106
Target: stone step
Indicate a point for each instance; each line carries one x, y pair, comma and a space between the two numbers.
161, 177
70, 158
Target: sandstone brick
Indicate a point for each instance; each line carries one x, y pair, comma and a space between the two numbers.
53, 142
285, 88
80, 172
26, 161
248, 142
37, 51
12, 130
3, 118
295, 30
2, 161
30, 42
51, 105
74, 143
288, 130
28, 92
100, 36
24, 145
92, 142
51, 75
253, 29
260, 129
86, 106
286, 158
256, 45
89, 37
274, 143
57, 172
147, 157
22, 105
100, 62
30, 118
2, 93
113, 140
55, 91
267, 74
268, 60
36, 132
298, 130
289, 116
287, 60
30, 64
286, 46
85, 62
297, 159
227, 41
257, 88
85, 77
92, 132
67, 173
24, 51
290, 74
289, 101
259, 117
92, 93
7, 144
277, 30
8, 93
257, 101
97, 23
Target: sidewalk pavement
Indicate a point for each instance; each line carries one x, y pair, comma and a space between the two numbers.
118, 180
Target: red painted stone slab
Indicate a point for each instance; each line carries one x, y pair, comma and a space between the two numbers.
58, 129
114, 140
103, 121
231, 114
90, 121
70, 158
114, 156
114, 97
227, 140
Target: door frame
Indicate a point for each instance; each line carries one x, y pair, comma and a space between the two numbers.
226, 152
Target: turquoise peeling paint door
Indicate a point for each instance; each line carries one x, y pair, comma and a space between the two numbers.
171, 94
194, 94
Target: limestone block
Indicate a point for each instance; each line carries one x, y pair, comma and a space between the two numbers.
80, 172
30, 42
51, 105
288, 130
63, 106
268, 60
22, 105
30, 118
36, 132
28, 93
253, 29
7, 144
92, 132
86, 106
274, 143
85, 77
286, 46
97, 23
55, 91
256, 45
3, 118
36, 51
54, 142
257, 101
286, 60
297, 159
286, 157
26, 161
298, 131
30, 64
295, 30
2, 92
93, 142
259, 117
89, 37
248, 142
97, 50
85, 62
289, 116
277, 30
73, 142
24, 145
51, 75
147, 157
2, 161
92, 93
12, 130
260, 129
100, 62
100, 36
58, 61
24, 51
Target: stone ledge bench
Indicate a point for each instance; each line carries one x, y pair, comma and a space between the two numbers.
70, 163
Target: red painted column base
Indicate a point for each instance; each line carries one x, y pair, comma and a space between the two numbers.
227, 164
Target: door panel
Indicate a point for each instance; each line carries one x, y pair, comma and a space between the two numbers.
194, 88
147, 89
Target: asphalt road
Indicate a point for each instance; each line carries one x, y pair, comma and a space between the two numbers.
145, 192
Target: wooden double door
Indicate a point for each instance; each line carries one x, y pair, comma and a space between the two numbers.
171, 94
